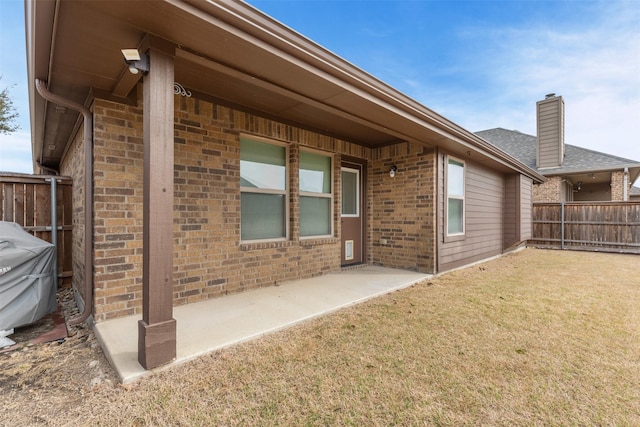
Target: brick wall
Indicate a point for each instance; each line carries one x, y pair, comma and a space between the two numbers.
617, 187
209, 259
118, 168
73, 166
403, 232
549, 191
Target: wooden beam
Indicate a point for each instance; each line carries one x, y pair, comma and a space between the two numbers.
125, 84
157, 329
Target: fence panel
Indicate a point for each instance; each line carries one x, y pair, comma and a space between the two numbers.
597, 226
26, 200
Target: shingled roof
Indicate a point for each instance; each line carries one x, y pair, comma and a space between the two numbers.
576, 159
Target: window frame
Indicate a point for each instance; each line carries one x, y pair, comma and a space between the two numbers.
358, 174
458, 235
285, 193
329, 196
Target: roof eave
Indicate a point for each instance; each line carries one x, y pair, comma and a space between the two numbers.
39, 33
632, 167
277, 34
243, 20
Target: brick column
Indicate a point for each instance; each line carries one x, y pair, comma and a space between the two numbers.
617, 186
548, 192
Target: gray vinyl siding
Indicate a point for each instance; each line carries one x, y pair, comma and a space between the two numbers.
517, 210
511, 223
484, 206
550, 150
526, 208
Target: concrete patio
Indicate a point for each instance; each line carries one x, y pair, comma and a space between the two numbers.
211, 325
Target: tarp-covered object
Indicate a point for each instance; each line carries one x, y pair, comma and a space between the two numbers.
27, 286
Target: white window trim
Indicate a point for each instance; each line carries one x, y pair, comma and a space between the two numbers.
319, 195
284, 192
357, 214
455, 236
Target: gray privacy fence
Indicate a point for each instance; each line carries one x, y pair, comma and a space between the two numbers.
27, 200
590, 226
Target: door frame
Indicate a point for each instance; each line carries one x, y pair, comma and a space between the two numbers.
361, 164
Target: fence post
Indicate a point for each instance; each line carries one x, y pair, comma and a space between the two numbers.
54, 227
562, 225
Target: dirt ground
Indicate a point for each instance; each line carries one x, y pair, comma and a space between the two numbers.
51, 375
440, 353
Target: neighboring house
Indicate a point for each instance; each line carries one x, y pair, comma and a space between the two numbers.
634, 194
245, 157
573, 173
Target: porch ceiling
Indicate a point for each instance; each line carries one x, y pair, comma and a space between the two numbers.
229, 52
597, 176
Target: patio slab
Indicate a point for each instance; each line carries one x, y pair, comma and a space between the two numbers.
207, 326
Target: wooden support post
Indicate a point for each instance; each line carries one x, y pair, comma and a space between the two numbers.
157, 329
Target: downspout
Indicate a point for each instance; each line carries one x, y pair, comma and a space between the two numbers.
88, 196
625, 185
46, 169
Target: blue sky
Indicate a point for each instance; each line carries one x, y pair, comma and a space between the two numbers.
15, 149
480, 63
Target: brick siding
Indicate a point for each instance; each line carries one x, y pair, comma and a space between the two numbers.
73, 166
549, 191
617, 187
209, 259
403, 232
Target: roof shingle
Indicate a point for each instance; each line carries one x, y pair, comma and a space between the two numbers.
576, 159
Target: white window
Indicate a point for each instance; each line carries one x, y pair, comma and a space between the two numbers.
350, 192
263, 190
455, 197
316, 196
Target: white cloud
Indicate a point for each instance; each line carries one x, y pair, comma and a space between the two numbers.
595, 67
15, 153
597, 71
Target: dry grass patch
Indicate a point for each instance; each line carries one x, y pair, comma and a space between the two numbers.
533, 338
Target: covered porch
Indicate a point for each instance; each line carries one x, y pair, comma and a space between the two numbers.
211, 325
159, 214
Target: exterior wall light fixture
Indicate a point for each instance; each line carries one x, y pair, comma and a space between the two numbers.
393, 171
137, 63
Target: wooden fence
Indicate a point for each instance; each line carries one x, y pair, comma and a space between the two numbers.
599, 226
26, 200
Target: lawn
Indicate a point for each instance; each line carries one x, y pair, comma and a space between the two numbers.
533, 338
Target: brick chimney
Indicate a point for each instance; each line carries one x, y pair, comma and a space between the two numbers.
550, 124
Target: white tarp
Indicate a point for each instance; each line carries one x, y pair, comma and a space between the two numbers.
4, 341
27, 286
